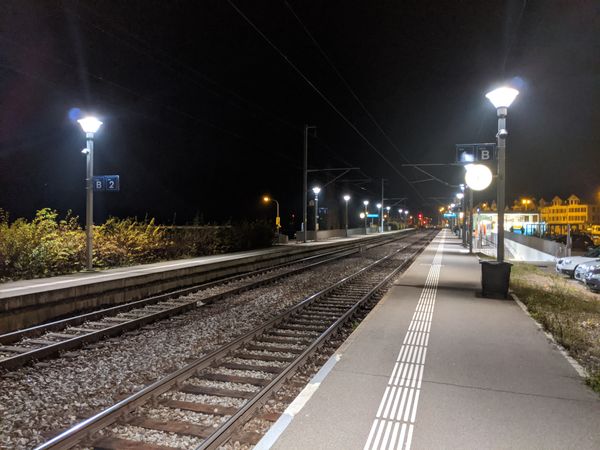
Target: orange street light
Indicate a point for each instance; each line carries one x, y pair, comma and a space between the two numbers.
268, 199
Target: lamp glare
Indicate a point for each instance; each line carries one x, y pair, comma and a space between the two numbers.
90, 124
478, 177
502, 97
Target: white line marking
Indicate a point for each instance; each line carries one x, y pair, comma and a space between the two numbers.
294, 408
404, 383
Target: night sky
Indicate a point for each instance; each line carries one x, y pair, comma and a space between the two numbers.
203, 115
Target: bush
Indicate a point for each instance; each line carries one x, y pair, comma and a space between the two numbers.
48, 246
42, 247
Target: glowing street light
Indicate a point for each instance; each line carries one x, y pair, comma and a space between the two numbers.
268, 199
89, 125
478, 176
346, 199
501, 98
316, 191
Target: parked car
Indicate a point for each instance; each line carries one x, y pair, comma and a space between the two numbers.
582, 269
592, 279
579, 241
568, 264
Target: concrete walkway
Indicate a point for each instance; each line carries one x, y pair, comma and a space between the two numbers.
436, 367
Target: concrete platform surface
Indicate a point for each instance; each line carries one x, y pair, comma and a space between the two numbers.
436, 367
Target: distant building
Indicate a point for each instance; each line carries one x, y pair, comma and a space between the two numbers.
561, 213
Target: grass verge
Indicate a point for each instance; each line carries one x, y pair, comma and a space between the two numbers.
568, 311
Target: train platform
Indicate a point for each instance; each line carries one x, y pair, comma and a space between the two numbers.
434, 366
27, 303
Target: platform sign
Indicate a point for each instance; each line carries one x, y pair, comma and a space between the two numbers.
112, 183
108, 183
449, 215
99, 184
373, 216
473, 153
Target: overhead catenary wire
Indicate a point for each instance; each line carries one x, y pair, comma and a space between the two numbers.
324, 97
358, 100
167, 61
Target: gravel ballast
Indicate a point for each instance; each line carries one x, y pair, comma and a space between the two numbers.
38, 401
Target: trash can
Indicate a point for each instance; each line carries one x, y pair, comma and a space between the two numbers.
495, 278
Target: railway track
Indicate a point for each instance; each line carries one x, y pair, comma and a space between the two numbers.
245, 372
44, 341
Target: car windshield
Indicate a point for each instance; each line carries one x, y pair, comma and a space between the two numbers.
593, 252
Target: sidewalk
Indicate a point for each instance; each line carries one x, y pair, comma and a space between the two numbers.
436, 367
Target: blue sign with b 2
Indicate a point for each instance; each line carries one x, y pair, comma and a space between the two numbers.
110, 183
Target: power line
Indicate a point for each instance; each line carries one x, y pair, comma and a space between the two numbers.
358, 100
323, 96
166, 61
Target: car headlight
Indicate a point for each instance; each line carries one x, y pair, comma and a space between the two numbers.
567, 261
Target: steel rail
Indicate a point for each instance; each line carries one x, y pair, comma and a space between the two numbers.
87, 428
37, 330
77, 341
224, 432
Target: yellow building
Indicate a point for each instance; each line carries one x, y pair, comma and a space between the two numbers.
571, 211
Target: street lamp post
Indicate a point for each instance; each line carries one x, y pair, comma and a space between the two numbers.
90, 125
366, 203
400, 217
380, 217
346, 199
461, 196
305, 181
388, 208
268, 199
316, 190
501, 98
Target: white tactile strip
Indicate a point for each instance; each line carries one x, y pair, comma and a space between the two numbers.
395, 419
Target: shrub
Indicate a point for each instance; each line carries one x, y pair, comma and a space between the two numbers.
48, 246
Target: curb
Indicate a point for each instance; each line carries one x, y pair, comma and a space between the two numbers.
578, 367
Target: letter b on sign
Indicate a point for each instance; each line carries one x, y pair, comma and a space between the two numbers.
485, 155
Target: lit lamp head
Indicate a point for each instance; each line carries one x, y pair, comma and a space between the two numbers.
478, 177
406, 212
460, 196
366, 202
378, 205
90, 124
452, 205
502, 98
346, 198
266, 199
316, 190
400, 211
362, 215
388, 208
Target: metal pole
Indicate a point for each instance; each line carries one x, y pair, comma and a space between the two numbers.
346, 218
463, 202
89, 204
305, 184
278, 219
381, 211
470, 220
501, 180
316, 215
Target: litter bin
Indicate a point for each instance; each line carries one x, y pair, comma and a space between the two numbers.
495, 278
